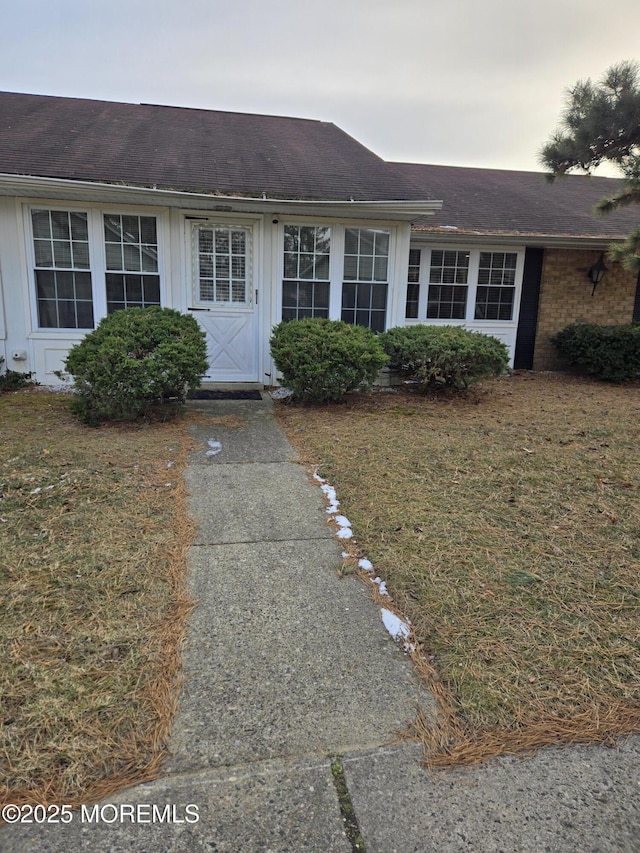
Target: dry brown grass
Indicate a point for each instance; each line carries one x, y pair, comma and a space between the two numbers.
506, 523
93, 539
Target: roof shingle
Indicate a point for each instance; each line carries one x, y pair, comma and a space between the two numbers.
495, 201
190, 150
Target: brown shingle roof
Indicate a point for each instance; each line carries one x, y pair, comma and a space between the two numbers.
190, 149
493, 201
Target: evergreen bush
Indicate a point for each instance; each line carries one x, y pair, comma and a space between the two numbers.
14, 380
607, 352
135, 361
443, 356
323, 359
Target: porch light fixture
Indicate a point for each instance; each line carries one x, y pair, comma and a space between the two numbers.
596, 272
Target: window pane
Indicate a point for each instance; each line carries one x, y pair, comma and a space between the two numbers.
348, 295
45, 284
148, 233
62, 254
290, 266
322, 266
41, 224
114, 256
321, 294
222, 241
380, 269
47, 314
365, 269
131, 257
379, 296
83, 286
151, 285
66, 289
115, 288
133, 285
205, 240
149, 255
289, 292
79, 229
351, 241
85, 315
43, 252
130, 229
350, 268
67, 314
366, 242
80, 255
60, 225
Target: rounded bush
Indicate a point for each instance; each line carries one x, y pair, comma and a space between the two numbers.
322, 359
134, 361
444, 356
608, 352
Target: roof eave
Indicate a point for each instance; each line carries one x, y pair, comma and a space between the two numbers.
550, 241
34, 185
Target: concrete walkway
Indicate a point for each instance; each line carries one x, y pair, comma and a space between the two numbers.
287, 666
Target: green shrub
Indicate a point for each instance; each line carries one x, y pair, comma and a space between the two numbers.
135, 361
323, 359
14, 380
443, 356
608, 352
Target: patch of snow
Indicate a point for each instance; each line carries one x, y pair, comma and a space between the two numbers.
342, 521
367, 565
398, 629
215, 446
36, 491
344, 533
382, 586
281, 393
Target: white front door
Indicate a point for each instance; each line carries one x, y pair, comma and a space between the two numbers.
231, 344
223, 299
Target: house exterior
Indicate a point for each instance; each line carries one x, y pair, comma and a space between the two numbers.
245, 220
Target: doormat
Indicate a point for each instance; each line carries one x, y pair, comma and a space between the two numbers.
203, 394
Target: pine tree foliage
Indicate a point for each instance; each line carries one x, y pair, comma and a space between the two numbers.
601, 123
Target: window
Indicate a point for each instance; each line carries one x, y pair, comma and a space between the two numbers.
365, 283
463, 284
305, 285
413, 285
131, 250
448, 275
222, 265
496, 286
62, 270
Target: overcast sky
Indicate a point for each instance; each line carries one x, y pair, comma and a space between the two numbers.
460, 82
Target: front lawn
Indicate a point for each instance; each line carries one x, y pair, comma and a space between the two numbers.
93, 538
506, 524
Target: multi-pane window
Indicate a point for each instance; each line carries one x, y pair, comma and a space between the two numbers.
62, 270
448, 277
305, 286
495, 294
222, 265
365, 283
131, 251
413, 284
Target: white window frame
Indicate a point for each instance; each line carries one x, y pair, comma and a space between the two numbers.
97, 256
472, 284
338, 228
196, 225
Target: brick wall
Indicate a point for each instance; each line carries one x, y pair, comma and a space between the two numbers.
565, 297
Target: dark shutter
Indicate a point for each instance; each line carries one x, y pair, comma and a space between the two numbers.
528, 319
636, 304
